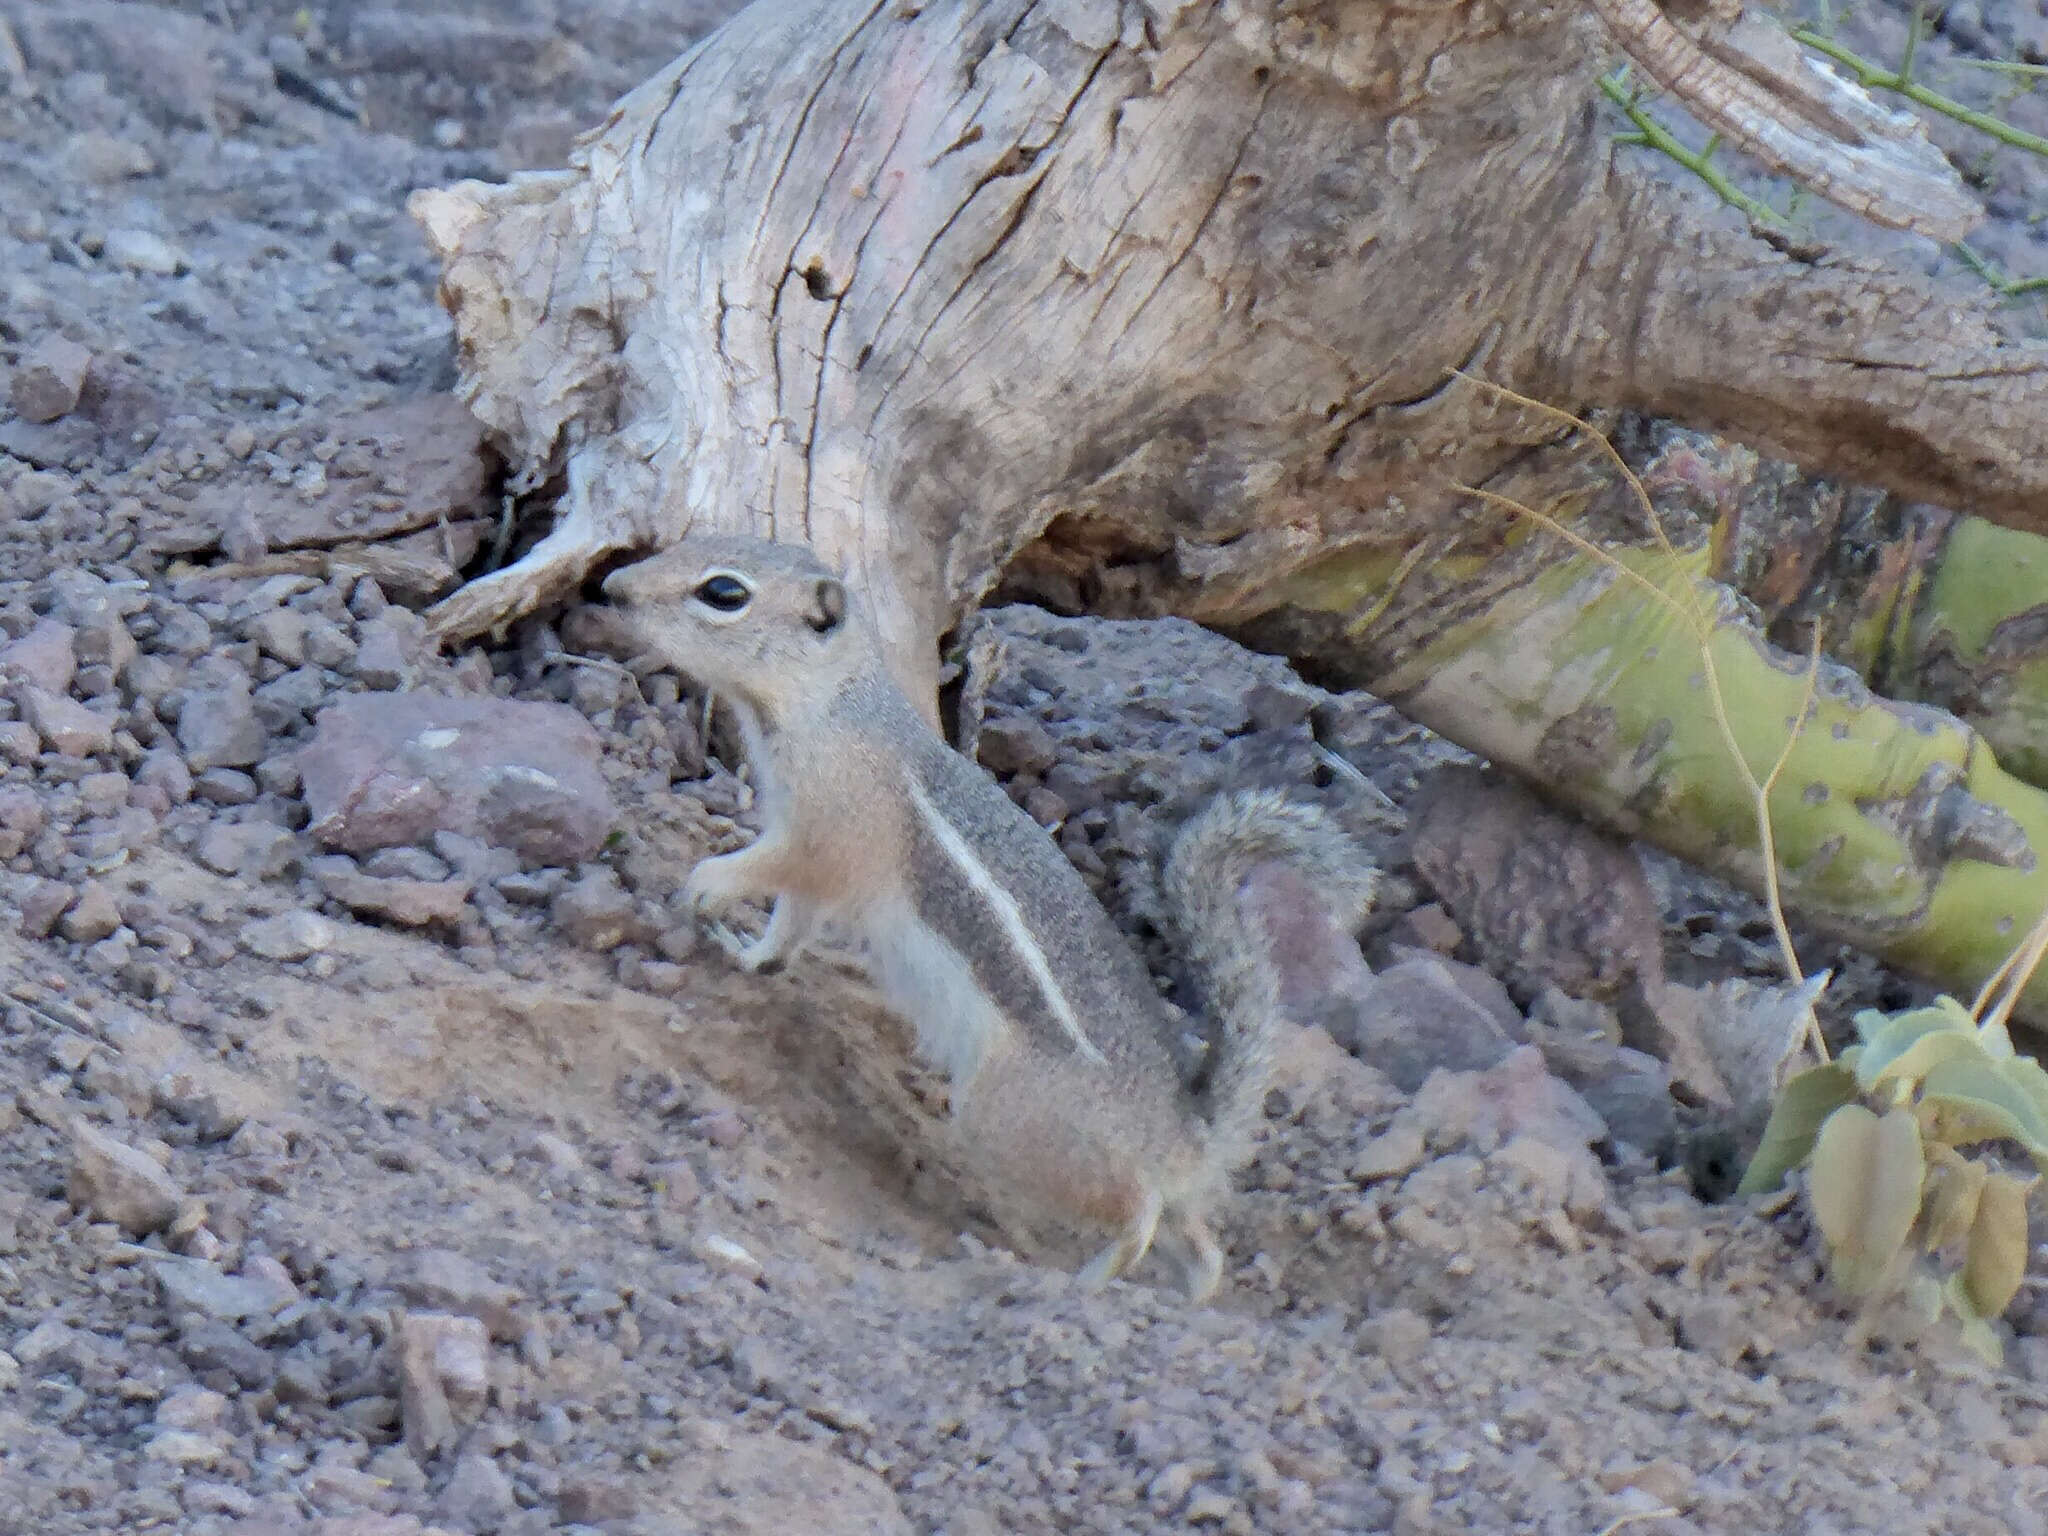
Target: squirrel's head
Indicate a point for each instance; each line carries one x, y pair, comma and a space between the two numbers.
762, 621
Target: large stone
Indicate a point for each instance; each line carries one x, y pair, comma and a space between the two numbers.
19, 742
200, 1287
388, 769
1629, 1089
65, 725
119, 1184
598, 913
218, 728
1515, 1097
287, 936
43, 656
1542, 897
478, 1497
92, 917
255, 850
451, 1282
413, 903
1413, 1019
443, 1377
21, 818
49, 378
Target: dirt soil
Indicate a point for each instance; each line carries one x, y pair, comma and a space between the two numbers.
365, 1181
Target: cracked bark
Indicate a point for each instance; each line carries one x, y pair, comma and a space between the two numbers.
1165, 325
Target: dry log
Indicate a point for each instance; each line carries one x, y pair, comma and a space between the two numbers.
1153, 306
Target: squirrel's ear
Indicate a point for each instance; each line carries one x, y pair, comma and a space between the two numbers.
829, 610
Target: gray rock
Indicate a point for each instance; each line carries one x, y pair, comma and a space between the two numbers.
1517, 1097
65, 725
327, 645
279, 776
84, 598
92, 917
140, 251
1015, 744
384, 770
367, 599
224, 786
166, 770
597, 912
280, 633
54, 1344
1630, 1090
21, 818
1389, 1154
414, 903
287, 936
44, 656
41, 905
594, 1501
443, 1377
104, 641
19, 742
406, 864
116, 1183
48, 379
218, 728
478, 1497
209, 1345
183, 633
255, 850
191, 1407
1413, 1019
283, 702
384, 656
149, 678
444, 1281
474, 859
201, 1287
185, 1098
102, 794
1543, 897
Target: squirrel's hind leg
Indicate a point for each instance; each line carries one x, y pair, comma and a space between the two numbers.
1187, 1240
1131, 1245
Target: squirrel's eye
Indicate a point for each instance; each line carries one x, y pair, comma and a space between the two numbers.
728, 594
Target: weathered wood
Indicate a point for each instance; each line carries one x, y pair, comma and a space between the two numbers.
1154, 306
912, 282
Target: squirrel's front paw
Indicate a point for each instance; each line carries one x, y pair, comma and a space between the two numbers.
714, 887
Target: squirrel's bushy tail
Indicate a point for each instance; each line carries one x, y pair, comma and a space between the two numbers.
1211, 859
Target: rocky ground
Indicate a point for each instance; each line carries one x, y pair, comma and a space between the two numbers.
380, 1151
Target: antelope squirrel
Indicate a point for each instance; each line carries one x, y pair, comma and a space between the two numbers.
980, 933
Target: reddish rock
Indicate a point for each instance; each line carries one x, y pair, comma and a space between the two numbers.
388, 769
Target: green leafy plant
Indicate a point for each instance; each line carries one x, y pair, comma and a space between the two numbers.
1880, 1130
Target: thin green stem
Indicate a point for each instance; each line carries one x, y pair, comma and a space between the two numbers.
1655, 135
1875, 77
2007, 66
2010, 287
